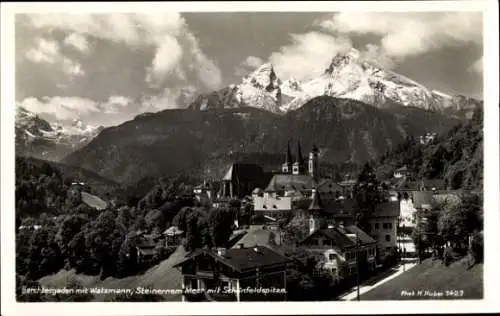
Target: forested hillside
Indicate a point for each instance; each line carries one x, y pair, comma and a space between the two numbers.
456, 156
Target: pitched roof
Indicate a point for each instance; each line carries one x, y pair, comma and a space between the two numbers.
244, 172
290, 182
144, 243
147, 251
173, 230
243, 259
387, 209
339, 235
347, 183
328, 185
402, 169
342, 207
259, 237
336, 235
363, 237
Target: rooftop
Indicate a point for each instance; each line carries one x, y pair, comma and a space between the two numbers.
242, 259
339, 236
244, 172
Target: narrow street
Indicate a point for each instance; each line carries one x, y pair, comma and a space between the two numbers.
375, 281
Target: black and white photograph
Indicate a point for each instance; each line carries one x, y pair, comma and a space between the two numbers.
248, 156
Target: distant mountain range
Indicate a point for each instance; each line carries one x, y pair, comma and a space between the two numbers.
354, 111
38, 138
174, 141
348, 76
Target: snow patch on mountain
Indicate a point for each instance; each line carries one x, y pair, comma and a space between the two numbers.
348, 76
71, 136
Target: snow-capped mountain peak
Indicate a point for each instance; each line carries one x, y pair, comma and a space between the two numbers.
61, 138
349, 75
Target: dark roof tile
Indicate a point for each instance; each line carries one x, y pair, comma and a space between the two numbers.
244, 259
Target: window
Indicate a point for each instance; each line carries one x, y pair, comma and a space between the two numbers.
389, 225
334, 271
350, 256
376, 225
331, 257
313, 242
327, 242
387, 238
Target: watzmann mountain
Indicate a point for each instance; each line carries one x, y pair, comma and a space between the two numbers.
348, 76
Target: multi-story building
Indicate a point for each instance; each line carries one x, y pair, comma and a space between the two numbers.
344, 249
383, 225
227, 274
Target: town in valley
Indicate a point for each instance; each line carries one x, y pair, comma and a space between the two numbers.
184, 159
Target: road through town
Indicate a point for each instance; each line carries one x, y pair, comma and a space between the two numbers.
370, 284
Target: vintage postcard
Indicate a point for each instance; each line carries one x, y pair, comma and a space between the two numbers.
321, 156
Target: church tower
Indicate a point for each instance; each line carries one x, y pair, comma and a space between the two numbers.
299, 166
287, 165
316, 220
313, 163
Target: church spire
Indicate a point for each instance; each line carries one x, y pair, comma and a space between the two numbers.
288, 154
287, 165
299, 166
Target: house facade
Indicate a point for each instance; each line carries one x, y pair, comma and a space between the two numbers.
383, 225
231, 274
344, 250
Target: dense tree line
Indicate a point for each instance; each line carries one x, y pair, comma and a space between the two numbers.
55, 230
456, 156
452, 230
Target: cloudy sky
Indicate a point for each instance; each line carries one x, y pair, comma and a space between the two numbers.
107, 68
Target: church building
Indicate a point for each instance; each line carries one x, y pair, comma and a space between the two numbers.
294, 185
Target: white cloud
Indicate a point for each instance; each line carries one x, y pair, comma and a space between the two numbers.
249, 64
115, 104
375, 54
168, 55
309, 55
478, 66
78, 42
407, 34
44, 51
63, 108
177, 51
169, 98
49, 52
252, 62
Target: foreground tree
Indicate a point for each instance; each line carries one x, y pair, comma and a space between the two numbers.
220, 222
367, 195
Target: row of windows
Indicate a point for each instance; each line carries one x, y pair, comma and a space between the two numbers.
386, 237
384, 225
